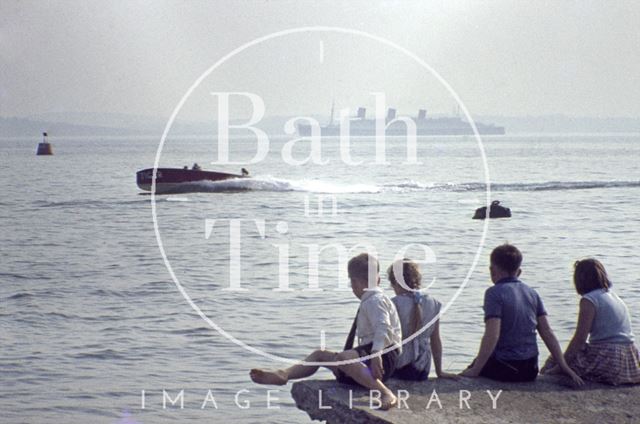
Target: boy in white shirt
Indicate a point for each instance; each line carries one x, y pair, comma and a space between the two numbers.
378, 329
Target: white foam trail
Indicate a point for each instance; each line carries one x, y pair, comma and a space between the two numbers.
269, 183
315, 186
409, 185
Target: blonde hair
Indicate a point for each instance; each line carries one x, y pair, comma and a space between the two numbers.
412, 279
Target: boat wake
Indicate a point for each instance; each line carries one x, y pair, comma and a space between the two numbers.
268, 183
549, 186
272, 184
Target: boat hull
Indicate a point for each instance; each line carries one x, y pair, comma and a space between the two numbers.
436, 126
173, 180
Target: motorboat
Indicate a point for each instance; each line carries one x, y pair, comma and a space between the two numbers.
175, 180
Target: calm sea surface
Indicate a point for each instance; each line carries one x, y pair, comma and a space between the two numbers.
90, 316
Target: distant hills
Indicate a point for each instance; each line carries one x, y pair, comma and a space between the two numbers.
111, 124
26, 127
116, 124
564, 124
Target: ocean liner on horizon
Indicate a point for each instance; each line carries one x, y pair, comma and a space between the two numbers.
397, 126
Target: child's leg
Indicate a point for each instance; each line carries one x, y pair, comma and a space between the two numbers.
301, 371
282, 376
361, 374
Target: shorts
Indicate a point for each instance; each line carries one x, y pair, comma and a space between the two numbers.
511, 370
389, 361
409, 372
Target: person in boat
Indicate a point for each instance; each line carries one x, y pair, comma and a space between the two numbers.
185, 167
378, 328
196, 167
495, 211
245, 173
610, 355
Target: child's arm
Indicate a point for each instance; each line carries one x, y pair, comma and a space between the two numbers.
585, 320
379, 317
487, 346
436, 351
554, 347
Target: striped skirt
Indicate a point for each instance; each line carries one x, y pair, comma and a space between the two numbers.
609, 363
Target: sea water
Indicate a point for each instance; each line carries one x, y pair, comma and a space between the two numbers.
91, 318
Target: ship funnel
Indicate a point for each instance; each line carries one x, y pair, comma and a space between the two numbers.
422, 114
391, 114
361, 113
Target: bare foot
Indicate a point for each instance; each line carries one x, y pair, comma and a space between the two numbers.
388, 401
278, 377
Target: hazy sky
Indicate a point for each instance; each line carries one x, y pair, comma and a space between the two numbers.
501, 57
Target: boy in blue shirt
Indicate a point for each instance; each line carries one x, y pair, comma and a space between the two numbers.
513, 312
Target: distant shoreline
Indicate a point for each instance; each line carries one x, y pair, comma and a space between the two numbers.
109, 124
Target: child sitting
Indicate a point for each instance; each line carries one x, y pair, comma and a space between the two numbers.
378, 328
513, 312
611, 355
418, 313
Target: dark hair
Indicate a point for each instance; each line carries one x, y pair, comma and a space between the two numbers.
507, 257
588, 275
358, 267
412, 279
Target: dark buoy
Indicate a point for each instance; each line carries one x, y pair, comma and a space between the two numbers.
496, 211
44, 148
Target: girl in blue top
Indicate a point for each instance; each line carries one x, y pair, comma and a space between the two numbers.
610, 354
418, 312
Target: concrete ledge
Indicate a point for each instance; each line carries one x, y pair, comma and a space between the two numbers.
549, 399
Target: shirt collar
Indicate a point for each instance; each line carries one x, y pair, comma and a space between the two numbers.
370, 292
508, 280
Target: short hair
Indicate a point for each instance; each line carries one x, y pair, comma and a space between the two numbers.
588, 275
410, 273
358, 266
507, 257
